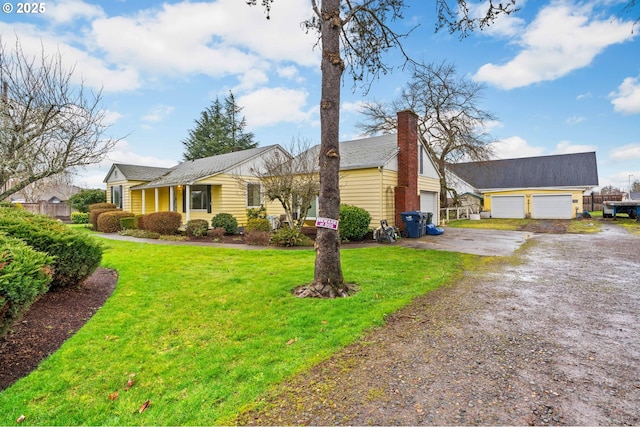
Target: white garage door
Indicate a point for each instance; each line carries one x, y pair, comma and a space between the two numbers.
556, 206
507, 207
429, 203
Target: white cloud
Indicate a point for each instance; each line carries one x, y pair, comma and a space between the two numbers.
268, 106
87, 69
214, 38
352, 107
515, 147
574, 120
560, 40
566, 147
70, 11
626, 99
504, 25
250, 80
158, 113
626, 152
111, 117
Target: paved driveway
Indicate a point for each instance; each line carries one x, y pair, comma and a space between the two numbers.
472, 241
552, 339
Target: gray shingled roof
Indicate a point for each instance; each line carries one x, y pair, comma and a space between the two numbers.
564, 170
365, 153
193, 170
141, 173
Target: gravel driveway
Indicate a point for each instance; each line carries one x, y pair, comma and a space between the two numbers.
551, 339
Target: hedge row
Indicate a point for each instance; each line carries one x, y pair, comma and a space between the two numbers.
76, 255
25, 274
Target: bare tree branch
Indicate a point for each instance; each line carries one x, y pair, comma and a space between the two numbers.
48, 125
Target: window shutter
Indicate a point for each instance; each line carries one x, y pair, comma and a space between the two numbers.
208, 198
184, 199
121, 197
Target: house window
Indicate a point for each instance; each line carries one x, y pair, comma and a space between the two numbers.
116, 195
199, 197
312, 213
253, 195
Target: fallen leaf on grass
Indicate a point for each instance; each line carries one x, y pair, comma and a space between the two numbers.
20, 419
113, 396
291, 341
144, 406
130, 384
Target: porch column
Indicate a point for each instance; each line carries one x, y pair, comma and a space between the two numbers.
172, 208
144, 201
187, 198
156, 198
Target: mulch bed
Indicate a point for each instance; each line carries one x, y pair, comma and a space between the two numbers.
50, 321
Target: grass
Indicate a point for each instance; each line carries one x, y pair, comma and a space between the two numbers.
491, 224
203, 332
575, 226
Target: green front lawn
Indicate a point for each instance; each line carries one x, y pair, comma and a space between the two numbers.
202, 332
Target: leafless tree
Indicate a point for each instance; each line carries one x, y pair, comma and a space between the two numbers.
48, 124
452, 126
291, 180
354, 35
58, 184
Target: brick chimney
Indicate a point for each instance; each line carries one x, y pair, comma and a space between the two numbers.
406, 193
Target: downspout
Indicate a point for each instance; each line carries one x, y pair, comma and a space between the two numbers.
381, 193
187, 189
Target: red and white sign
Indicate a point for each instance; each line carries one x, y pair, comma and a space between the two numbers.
327, 223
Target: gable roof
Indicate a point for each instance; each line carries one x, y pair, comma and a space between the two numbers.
563, 170
188, 172
137, 172
363, 153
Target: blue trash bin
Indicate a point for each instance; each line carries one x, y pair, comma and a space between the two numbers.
412, 223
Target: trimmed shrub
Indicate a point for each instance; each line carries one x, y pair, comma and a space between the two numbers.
256, 213
102, 206
163, 222
197, 228
226, 221
217, 233
25, 274
77, 255
258, 237
141, 234
139, 222
258, 225
354, 222
128, 222
94, 214
79, 218
109, 222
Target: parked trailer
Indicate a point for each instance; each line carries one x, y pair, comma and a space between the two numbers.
629, 207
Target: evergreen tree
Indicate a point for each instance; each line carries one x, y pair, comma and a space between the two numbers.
219, 130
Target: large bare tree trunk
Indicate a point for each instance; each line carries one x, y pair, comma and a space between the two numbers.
328, 280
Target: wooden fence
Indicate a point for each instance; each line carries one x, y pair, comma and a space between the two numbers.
594, 201
56, 210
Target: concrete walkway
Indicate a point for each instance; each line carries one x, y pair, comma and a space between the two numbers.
465, 240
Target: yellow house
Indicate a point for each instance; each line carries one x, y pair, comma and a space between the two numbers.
385, 175
388, 174
198, 189
544, 187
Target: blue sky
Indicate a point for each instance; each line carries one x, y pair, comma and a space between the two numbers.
560, 76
